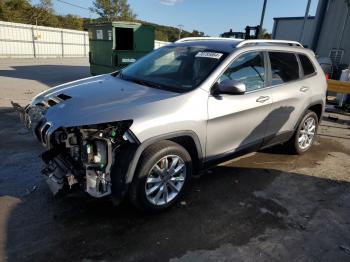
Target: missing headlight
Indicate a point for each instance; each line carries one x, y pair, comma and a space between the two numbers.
91, 152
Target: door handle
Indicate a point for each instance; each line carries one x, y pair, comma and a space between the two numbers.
262, 99
304, 89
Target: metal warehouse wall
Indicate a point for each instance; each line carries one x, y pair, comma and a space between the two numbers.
21, 40
335, 32
289, 28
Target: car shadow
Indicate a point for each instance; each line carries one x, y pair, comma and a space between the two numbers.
273, 123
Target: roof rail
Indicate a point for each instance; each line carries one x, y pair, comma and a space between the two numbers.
262, 41
188, 39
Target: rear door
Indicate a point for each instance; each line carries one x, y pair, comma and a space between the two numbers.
239, 121
291, 93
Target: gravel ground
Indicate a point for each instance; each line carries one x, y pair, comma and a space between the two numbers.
267, 206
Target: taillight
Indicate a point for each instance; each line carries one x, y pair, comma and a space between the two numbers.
327, 76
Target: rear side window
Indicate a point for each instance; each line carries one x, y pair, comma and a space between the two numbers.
284, 67
306, 64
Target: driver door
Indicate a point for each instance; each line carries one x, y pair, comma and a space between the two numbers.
237, 122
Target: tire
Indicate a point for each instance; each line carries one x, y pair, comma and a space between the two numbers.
153, 188
303, 139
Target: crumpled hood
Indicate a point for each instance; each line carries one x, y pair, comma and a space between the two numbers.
103, 99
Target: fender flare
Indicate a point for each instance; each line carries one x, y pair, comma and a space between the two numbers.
317, 102
133, 164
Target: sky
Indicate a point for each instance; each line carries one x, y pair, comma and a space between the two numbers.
211, 17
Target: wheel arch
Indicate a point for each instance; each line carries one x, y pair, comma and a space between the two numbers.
317, 107
188, 139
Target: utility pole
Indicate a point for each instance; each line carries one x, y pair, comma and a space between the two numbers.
301, 36
78, 6
75, 5
180, 30
262, 18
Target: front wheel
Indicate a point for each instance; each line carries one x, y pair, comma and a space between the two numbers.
305, 134
161, 177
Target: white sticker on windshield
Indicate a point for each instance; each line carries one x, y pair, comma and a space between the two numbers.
209, 55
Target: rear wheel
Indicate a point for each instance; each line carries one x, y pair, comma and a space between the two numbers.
305, 134
162, 175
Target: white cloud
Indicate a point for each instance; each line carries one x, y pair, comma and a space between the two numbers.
169, 2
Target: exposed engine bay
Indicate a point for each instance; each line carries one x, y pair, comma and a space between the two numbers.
84, 156
79, 156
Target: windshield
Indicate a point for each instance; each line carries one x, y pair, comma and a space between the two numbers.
175, 68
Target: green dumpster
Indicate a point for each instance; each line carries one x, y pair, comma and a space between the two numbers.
114, 45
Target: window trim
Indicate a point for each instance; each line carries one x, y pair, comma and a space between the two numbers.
268, 71
263, 52
301, 66
303, 77
301, 70
266, 66
270, 68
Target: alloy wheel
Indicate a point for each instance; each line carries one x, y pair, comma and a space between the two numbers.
307, 133
165, 180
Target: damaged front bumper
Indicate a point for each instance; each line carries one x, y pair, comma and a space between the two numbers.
65, 169
78, 156
56, 171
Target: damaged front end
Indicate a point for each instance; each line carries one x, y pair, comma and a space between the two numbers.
83, 156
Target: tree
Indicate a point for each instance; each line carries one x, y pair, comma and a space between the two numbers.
43, 14
196, 33
71, 22
17, 11
110, 10
264, 34
22, 11
160, 35
46, 5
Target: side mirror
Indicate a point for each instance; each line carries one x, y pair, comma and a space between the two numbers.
229, 87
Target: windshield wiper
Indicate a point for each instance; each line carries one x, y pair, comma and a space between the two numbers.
145, 83
117, 73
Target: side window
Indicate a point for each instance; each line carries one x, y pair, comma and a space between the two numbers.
248, 69
284, 67
306, 64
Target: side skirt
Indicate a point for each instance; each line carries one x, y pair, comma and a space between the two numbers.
231, 155
253, 147
277, 139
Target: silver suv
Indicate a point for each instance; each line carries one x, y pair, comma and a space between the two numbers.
143, 131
